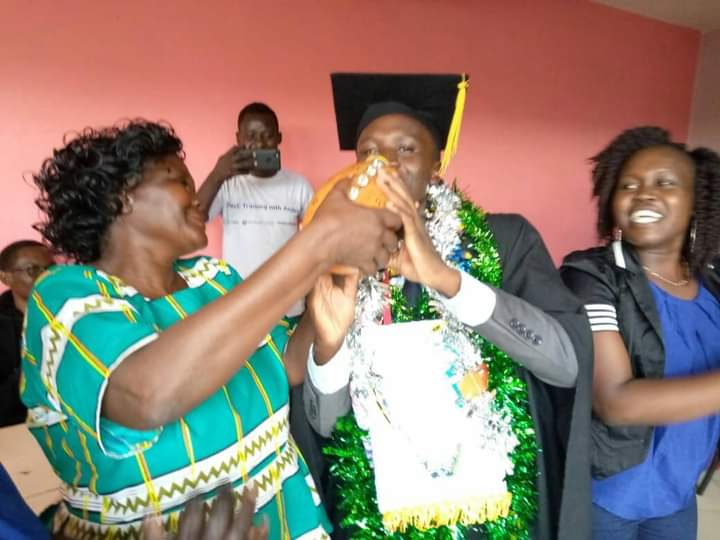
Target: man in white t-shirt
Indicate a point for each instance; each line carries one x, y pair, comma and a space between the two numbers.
260, 208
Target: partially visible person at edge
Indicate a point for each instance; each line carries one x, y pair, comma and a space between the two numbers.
497, 280
150, 377
20, 264
260, 210
17, 520
652, 298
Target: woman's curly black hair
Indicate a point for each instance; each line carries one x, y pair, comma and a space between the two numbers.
706, 212
82, 186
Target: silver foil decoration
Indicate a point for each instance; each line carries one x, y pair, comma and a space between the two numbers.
491, 423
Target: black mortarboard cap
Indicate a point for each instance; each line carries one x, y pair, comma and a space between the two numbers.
436, 100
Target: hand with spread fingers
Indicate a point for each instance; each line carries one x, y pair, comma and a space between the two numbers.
331, 305
417, 259
222, 521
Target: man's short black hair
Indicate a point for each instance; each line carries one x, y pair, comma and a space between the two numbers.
9, 254
258, 108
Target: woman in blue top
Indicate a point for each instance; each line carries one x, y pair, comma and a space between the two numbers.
651, 296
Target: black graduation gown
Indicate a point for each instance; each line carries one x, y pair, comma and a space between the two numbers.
562, 416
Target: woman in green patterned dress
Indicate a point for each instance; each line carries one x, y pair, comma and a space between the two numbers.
152, 378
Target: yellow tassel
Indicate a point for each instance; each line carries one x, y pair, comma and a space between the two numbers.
451, 145
465, 512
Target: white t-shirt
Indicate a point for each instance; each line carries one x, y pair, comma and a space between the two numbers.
259, 216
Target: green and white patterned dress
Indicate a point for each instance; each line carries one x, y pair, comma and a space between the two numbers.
80, 325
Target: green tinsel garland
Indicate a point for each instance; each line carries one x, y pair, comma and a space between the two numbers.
350, 466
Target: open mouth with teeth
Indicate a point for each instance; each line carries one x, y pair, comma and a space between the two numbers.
642, 217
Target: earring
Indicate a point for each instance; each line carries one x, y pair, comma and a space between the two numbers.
693, 231
127, 204
617, 247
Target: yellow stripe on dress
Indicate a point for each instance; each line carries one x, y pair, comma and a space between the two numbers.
93, 470
282, 517
275, 349
129, 315
56, 325
177, 307
242, 456
78, 465
27, 355
215, 285
187, 440
104, 510
102, 288
147, 480
116, 284
49, 441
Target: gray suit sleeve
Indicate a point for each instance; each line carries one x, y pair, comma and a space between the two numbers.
533, 338
323, 410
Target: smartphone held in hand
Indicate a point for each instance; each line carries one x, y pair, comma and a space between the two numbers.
266, 159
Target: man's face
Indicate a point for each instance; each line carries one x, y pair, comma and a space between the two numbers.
258, 131
29, 263
407, 144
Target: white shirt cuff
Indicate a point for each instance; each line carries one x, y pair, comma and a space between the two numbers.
333, 376
474, 303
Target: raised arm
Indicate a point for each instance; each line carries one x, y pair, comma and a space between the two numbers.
620, 398
533, 318
232, 162
192, 359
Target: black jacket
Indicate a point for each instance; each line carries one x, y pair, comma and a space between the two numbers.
12, 411
562, 416
607, 276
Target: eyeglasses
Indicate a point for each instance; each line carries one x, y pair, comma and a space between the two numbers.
32, 271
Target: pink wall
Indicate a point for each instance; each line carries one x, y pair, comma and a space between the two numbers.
552, 81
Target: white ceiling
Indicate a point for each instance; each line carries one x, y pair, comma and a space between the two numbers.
704, 15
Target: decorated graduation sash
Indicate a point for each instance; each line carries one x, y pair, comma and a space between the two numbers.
441, 440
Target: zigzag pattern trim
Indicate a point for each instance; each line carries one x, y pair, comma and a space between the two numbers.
55, 340
204, 270
179, 486
281, 469
119, 285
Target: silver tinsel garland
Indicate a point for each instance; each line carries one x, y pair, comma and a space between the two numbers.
492, 424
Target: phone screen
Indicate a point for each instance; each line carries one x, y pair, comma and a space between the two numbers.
267, 159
